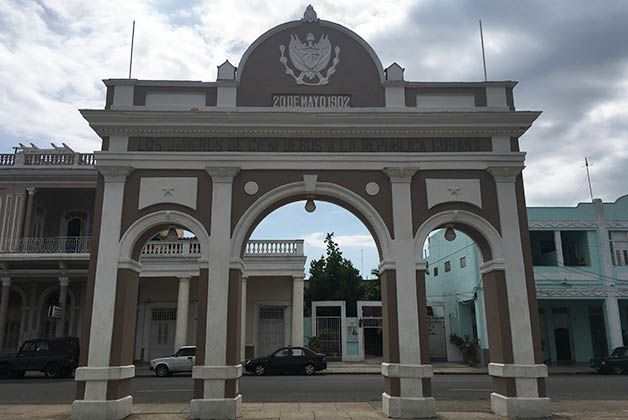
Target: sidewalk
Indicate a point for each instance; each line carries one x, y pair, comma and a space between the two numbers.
440, 368
446, 410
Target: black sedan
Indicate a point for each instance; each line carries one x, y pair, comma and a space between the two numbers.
616, 363
288, 359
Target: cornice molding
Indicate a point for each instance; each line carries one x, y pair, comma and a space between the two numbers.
576, 224
505, 173
589, 292
269, 122
115, 173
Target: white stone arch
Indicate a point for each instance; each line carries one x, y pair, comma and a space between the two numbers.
323, 189
143, 224
323, 23
480, 224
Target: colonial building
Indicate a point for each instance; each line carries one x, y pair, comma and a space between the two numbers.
580, 257
309, 114
47, 201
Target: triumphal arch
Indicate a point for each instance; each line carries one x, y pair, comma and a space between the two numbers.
310, 114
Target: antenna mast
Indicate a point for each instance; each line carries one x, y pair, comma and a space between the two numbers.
483, 55
131, 59
586, 164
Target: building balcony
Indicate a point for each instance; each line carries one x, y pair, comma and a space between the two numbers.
81, 247
47, 159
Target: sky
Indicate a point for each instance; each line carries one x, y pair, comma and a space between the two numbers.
570, 58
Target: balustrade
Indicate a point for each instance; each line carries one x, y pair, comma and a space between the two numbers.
50, 245
47, 159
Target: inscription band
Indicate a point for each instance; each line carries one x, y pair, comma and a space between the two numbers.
309, 145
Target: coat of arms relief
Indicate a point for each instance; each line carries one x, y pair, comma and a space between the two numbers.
310, 58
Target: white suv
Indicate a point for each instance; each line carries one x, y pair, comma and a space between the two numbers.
182, 361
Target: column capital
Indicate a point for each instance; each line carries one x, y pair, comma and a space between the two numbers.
222, 175
6, 281
236, 264
421, 265
64, 281
505, 174
400, 174
386, 265
183, 279
30, 191
300, 277
115, 173
493, 265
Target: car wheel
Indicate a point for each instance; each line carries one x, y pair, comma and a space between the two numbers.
162, 371
17, 374
310, 369
5, 371
52, 370
260, 370
618, 370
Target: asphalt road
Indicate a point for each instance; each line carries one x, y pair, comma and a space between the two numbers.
319, 388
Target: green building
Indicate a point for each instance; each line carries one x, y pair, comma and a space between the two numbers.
580, 257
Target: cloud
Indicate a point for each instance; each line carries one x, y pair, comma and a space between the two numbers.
317, 240
569, 57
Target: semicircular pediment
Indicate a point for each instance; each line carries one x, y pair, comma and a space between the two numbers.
311, 60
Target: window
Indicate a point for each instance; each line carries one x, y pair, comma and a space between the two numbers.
447, 266
297, 352
463, 262
619, 244
187, 352
284, 353
435, 271
165, 314
42, 346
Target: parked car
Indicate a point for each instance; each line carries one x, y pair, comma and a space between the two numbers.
181, 361
55, 357
288, 359
616, 363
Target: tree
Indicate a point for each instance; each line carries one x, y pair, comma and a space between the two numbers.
333, 277
373, 288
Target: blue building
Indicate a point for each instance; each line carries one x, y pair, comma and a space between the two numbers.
580, 257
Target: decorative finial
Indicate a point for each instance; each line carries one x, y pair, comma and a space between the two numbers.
310, 15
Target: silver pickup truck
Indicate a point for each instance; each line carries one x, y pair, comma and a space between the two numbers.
182, 361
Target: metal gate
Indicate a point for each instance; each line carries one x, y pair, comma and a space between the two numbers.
437, 338
271, 330
329, 337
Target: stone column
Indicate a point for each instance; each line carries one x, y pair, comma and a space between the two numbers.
98, 373
63, 296
183, 306
558, 243
4, 307
612, 308
525, 400
28, 219
216, 376
297, 311
243, 317
407, 390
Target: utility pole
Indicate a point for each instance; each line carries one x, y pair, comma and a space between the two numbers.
586, 164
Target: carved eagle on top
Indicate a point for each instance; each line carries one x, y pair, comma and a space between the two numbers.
310, 57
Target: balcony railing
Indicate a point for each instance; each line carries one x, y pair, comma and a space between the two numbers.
47, 159
184, 248
50, 245
181, 248
274, 247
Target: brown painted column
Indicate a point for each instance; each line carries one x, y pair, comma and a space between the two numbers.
4, 307
123, 338
63, 297
390, 328
498, 327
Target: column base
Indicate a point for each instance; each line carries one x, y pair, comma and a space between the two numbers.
102, 410
408, 408
216, 409
521, 408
